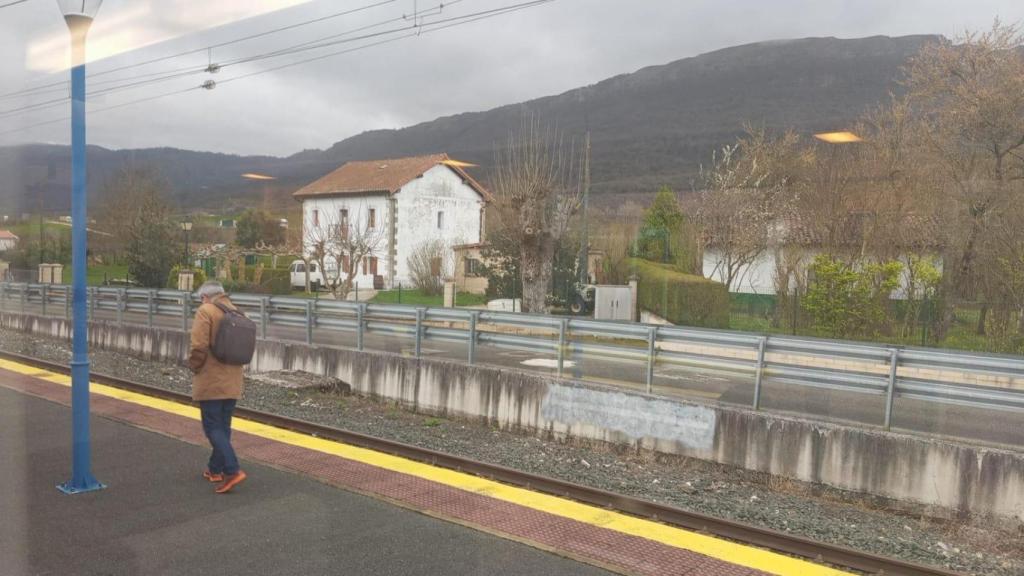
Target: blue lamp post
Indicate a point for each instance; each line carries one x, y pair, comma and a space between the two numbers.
78, 14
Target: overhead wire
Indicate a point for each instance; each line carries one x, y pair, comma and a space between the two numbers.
197, 70
15, 2
425, 28
206, 48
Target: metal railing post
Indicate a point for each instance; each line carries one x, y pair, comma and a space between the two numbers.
562, 329
122, 297
890, 393
150, 298
90, 295
186, 306
264, 316
44, 292
3, 295
473, 317
419, 332
652, 356
759, 374
67, 302
360, 318
24, 298
309, 322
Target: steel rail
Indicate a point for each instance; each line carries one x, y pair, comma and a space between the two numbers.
781, 542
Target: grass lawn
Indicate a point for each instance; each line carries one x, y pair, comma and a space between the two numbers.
416, 298
96, 274
962, 333
30, 230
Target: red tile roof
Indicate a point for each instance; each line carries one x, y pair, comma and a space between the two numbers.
7, 235
382, 177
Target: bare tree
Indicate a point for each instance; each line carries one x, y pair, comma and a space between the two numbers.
746, 196
538, 185
970, 99
339, 248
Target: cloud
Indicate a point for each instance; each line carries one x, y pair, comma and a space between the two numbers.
528, 54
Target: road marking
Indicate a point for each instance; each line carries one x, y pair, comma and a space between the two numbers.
731, 552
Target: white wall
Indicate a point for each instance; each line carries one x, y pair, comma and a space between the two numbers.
439, 190
358, 212
758, 278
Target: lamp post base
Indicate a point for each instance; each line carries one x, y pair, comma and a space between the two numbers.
81, 487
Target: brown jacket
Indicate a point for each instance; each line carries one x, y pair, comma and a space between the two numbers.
212, 380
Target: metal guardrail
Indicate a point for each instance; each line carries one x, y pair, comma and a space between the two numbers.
887, 371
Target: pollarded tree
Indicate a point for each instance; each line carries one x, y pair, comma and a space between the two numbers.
538, 188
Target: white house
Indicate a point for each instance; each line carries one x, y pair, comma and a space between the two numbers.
8, 241
913, 235
401, 203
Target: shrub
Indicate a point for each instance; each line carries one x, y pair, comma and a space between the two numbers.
680, 298
847, 300
429, 265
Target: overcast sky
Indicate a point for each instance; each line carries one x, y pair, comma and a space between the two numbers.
534, 52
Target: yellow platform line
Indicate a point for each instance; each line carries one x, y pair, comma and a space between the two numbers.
754, 558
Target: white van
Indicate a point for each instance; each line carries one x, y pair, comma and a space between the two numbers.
298, 276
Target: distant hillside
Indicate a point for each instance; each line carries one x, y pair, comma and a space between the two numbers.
652, 127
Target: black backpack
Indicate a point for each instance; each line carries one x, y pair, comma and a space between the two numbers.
235, 341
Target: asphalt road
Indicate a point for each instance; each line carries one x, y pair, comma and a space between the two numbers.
986, 426
159, 517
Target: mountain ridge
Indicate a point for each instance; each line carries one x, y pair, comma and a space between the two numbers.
651, 127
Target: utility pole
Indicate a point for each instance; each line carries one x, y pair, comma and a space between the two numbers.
584, 265
584, 258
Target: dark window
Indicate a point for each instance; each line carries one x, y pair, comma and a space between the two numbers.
372, 223
472, 267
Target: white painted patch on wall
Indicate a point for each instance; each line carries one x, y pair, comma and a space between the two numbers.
547, 363
634, 416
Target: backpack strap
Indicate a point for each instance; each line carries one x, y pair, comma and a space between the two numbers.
227, 310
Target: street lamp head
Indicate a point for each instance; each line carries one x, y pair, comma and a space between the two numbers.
838, 137
186, 226
84, 8
78, 15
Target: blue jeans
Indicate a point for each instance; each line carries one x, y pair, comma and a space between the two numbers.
217, 426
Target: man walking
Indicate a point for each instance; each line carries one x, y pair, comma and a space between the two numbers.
216, 386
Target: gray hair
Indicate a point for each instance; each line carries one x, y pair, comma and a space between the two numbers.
210, 289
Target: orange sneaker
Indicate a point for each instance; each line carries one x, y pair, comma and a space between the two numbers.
215, 478
230, 481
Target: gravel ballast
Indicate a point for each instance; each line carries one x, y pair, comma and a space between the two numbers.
815, 512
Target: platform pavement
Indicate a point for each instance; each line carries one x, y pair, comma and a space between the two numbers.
158, 516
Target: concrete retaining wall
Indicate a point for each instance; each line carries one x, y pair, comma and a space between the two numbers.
914, 469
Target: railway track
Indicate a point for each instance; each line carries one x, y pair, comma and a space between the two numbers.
797, 546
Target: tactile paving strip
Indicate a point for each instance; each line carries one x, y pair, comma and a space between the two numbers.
593, 544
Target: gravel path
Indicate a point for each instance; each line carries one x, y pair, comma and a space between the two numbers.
819, 513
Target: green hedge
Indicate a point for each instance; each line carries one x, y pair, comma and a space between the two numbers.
683, 299
198, 277
272, 281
